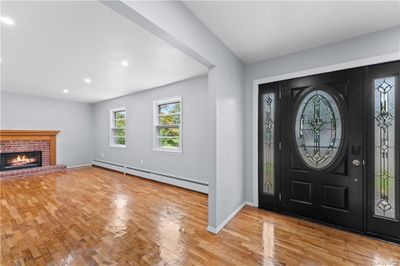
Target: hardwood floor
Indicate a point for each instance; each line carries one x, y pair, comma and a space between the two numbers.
92, 216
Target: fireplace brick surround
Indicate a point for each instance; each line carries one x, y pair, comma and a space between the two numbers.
27, 141
28, 145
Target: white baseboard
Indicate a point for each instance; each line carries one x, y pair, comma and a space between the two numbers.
215, 230
78, 166
179, 182
252, 204
111, 166
212, 229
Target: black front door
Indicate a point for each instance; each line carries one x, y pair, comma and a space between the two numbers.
322, 171
329, 148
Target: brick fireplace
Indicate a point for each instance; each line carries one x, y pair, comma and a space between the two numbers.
20, 150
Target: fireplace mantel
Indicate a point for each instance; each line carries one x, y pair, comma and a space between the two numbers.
50, 135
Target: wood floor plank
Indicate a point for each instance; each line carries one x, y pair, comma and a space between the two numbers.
92, 216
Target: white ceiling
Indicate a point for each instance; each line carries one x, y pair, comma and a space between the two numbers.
55, 45
256, 30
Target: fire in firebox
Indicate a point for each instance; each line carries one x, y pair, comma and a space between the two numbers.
21, 160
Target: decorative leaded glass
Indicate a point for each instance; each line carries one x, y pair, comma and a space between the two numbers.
385, 147
268, 143
318, 129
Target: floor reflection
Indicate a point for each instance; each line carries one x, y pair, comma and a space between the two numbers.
269, 240
170, 232
119, 218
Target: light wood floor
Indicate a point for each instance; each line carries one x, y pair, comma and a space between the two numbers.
93, 216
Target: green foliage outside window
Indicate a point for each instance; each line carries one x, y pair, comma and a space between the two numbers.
118, 130
120, 141
120, 123
169, 119
169, 142
169, 132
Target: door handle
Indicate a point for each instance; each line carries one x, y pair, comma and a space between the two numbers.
356, 162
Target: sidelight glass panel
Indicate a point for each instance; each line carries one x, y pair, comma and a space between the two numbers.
318, 129
385, 147
268, 143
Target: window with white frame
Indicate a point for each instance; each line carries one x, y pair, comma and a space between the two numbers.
117, 127
168, 125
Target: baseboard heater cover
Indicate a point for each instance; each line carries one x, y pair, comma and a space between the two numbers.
164, 178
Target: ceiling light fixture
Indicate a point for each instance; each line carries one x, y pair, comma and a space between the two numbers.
124, 63
87, 80
7, 21
66, 91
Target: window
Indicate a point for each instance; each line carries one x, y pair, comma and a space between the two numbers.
268, 143
117, 127
385, 147
318, 129
168, 125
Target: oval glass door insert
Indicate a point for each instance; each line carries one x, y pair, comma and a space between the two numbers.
318, 129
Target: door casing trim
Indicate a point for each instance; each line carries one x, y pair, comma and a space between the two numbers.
341, 66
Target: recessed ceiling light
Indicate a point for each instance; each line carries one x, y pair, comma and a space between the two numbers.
87, 80
124, 63
7, 21
66, 91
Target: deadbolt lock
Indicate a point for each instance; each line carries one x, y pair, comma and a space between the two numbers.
356, 162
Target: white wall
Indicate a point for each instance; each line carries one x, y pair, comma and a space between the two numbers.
176, 24
192, 164
375, 47
74, 120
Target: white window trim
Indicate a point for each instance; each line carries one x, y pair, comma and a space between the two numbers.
156, 123
112, 145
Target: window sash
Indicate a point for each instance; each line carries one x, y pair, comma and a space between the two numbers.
115, 139
170, 142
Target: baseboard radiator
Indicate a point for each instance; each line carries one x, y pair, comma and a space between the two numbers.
164, 178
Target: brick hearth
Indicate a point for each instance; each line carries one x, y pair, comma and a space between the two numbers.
33, 171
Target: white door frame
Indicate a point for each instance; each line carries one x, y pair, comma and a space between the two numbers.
303, 73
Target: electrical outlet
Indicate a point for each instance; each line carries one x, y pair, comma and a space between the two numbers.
102, 155
141, 162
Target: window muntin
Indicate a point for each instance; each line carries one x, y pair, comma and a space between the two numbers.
168, 125
118, 127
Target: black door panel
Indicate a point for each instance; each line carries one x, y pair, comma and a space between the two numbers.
336, 155
332, 193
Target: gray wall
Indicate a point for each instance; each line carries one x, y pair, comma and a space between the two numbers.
195, 160
75, 120
376, 44
173, 22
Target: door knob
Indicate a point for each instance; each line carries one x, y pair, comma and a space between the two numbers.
356, 162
